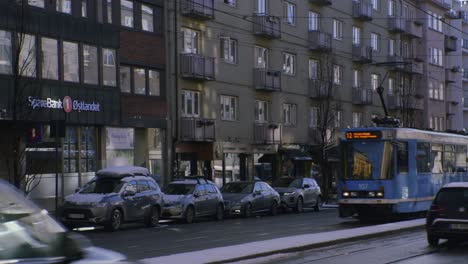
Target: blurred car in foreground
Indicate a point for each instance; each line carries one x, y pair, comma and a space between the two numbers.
297, 193
247, 198
29, 235
116, 195
448, 216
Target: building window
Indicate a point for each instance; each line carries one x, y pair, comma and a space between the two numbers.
108, 67
36, 3
434, 21
49, 58
261, 57
436, 56
126, 13
139, 81
290, 13
190, 103
109, 11
313, 21
357, 75
436, 90
232, 3
228, 107
90, 65
261, 111
356, 36
338, 119
357, 119
154, 83
288, 63
5, 52
70, 62
374, 81
314, 116
375, 4
289, 114
337, 29
391, 47
27, 56
391, 8
125, 79
229, 49
261, 6
190, 43
84, 8
147, 23
63, 6
375, 41
391, 86
337, 74
313, 69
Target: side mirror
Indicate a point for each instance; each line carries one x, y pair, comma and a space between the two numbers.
196, 194
257, 192
129, 193
306, 186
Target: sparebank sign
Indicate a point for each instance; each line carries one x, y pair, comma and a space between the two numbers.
66, 104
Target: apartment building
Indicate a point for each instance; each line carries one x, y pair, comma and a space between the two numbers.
464, 48
260, 84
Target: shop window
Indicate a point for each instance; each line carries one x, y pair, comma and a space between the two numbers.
108, 67
88, 149
423, 157
90, 64
70, 151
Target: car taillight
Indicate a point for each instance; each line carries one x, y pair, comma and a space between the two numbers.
436, 208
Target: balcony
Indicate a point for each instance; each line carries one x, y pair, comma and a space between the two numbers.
265, 133
362, 96
451, 75
452, 95
200, 9
266, 26
450, 108
267, 80
319, 41
195, 66
197, 129
321, 2
445, 4
452, 14
413, 67
396, 25
450, 43
398, 62
362, 10
319, 89
413, 29
362, 54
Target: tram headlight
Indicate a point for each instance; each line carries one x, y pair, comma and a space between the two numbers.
371, 194
353, 194
379, 194
345, 194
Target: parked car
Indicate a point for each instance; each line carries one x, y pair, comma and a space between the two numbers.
448, 216
297, 193
29, 235
246, 198
116, 195
192, 197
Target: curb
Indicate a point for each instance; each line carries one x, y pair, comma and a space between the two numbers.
286, 244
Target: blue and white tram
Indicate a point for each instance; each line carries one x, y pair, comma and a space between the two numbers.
389, 171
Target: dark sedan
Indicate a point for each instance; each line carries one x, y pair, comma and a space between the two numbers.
247, 198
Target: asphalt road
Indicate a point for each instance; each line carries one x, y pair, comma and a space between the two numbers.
137, 242
404, 248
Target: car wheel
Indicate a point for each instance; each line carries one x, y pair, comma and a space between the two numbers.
247, 210
432, 240
189, 215
153, 217
219, 213
318, 204
299, 205
115, 221
274, 208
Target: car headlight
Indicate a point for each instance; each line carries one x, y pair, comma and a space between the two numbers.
99, 204
288, 193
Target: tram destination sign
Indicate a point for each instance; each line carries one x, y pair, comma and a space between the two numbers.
363, 135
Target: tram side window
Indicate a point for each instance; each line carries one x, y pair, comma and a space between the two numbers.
460, 159
449, 158
402, 154
423, 157
436, 158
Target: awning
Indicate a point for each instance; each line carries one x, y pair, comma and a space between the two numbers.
296, 154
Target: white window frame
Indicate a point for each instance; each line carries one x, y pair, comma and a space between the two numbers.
289, 114
392, 8
391, 47
375, 41
375, 4
314, 117
313, 69
357, 119
194, 102
337, 74
375, 79
127, 21
313, 21
337, 29
391, 86
338, 119
64, 6
357, 78
261, 111
229, 105
290, 13
228, 50
436, 56
191, 41
289, 63
260, 57
357, 36
261, 7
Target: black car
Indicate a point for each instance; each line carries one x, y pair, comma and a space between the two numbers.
246, 198
297, 193
448, 215
116, 195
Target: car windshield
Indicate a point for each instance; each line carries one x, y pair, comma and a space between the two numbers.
237, 187
288, 183
179, 189
452, 197
27, 232
367, 160
103, 185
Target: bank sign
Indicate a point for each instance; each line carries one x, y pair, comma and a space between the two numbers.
66, 104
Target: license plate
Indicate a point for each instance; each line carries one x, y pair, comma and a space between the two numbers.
76, 216
459, 226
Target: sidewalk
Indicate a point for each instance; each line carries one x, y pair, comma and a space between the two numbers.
285, 244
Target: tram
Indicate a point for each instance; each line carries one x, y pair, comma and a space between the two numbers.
389, 171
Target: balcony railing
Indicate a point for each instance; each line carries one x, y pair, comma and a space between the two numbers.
319, 89
319, 41
451, 108
265, 133
397, 62
362, 96
201, 9
321, 2
452, 14
445, 4
413, 29
413, 67
267, 80
266, 26
362, 10
196, 66
450, 43
362, 54
197, 129
451, 75
396, 24
452, 95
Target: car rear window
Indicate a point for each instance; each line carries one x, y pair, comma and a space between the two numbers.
452, 197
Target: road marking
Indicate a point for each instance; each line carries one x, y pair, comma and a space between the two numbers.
192, 238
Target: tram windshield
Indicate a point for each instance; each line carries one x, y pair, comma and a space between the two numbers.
367, 160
